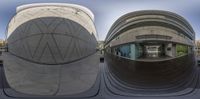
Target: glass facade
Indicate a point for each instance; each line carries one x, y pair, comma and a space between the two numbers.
150, 50
181, 50
131, 51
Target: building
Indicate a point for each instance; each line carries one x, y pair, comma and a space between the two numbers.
197, 45
150, 48
2, 45
51, 50
100, 45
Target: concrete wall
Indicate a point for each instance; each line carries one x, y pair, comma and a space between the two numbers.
130, 35
51, 36
74, 14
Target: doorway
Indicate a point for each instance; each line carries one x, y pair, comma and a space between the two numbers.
153, 51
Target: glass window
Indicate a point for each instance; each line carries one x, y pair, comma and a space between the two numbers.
181, 50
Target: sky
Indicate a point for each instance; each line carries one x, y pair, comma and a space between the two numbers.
106, 12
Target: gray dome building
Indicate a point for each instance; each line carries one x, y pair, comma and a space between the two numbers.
51, 49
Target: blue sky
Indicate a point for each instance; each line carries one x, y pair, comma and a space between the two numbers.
108, 11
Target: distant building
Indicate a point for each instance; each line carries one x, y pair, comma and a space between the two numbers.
100, 45
197, 47
2, 45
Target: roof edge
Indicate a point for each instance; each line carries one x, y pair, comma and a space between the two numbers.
84, 9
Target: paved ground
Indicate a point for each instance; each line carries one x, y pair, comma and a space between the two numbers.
37, 79
154, 58
111, 88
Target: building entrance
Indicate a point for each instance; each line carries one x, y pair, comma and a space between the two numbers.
153, 50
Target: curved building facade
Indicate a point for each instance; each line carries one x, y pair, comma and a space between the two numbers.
37, 24
150, 49
51, 49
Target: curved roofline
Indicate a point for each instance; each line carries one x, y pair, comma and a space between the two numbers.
129, 15
84, 9
153, 12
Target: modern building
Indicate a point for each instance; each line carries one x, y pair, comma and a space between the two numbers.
2, 45
150, 48
197, 47
51, 50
